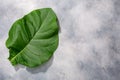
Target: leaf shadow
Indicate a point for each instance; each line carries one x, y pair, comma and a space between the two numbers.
59, 25
42, 68
19, 66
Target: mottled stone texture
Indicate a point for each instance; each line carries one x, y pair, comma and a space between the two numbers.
89, 47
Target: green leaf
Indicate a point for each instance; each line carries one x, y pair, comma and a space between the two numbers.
34, 38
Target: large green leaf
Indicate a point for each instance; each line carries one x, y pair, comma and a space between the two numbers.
34, 38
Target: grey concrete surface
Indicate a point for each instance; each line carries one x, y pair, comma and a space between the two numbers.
89, 47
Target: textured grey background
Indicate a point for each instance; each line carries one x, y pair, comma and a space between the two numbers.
89, 46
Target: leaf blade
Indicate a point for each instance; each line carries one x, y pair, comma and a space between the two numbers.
40, 25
